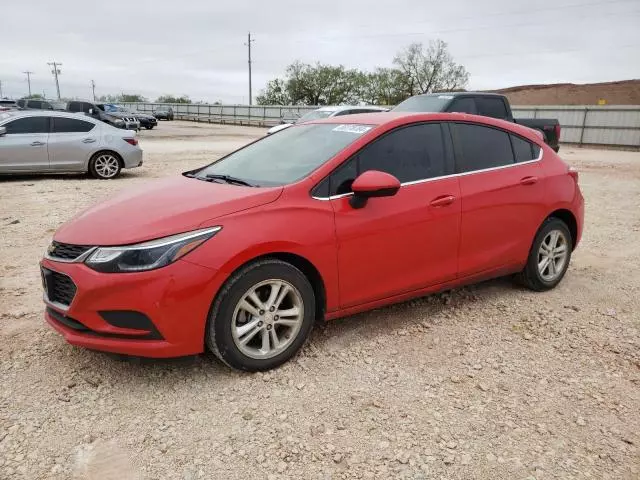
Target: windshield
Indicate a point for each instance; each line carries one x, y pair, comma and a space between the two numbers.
315, 115
288, 156
162, 109
114, 108
424, 103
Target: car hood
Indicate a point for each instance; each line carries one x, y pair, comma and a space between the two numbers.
158, 209
120, 114
143, 115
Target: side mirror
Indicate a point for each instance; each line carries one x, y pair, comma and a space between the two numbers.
91, 112
3, 131
373, 183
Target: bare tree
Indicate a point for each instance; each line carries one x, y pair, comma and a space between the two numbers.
430, 69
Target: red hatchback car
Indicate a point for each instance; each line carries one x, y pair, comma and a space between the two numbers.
319, 221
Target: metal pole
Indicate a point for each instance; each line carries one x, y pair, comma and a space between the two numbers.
55, 74
28, 74
93, 88
584, 123
249, 41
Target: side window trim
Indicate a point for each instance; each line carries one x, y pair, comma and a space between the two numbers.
449, 159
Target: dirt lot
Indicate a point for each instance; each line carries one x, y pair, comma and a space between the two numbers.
487, 382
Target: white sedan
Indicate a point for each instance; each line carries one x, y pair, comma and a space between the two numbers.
326, 112
47, 141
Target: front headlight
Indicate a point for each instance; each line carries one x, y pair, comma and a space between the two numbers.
117, 121
148, 255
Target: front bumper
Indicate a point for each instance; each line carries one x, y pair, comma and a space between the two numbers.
160, 313
148, 122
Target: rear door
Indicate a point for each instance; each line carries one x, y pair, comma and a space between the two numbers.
406, 242
71, 143
24, 147
501, 197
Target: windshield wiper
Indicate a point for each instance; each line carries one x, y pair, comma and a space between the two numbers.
229, 179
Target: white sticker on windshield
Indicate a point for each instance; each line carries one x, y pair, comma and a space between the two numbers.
352, 128
446, 97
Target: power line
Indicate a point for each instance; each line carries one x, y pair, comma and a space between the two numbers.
56, 72
28, 74
248, 44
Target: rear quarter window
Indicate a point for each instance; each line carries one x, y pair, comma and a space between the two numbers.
524, 150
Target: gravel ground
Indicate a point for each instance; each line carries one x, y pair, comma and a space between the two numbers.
485, 382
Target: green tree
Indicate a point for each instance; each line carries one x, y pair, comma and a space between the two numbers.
131, 98
274, 94
35, 95
172, 99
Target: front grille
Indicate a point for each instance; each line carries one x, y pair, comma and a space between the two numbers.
65, 251
59, 287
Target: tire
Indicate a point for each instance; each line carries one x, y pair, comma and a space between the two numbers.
225, 333
105, 165
149, 127
538, 276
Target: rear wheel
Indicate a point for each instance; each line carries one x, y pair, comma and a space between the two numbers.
104, 165
262, 316
549, 256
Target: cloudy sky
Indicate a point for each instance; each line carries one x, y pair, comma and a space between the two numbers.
196, 47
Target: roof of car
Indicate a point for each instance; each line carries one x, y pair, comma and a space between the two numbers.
460, 94
396, 119
339, 108
49, 113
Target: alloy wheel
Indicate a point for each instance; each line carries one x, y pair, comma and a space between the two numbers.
107, 166
552, 255
267, 319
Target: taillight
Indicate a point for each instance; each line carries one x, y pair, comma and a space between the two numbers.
131, 141
558, 132
574, 173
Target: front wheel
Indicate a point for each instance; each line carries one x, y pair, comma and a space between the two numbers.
549, 256
104, 166
149, 127
262, 316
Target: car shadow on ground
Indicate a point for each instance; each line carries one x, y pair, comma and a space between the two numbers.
332, 336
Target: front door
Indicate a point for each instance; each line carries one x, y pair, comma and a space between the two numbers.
71, 143
24, 146
406, 242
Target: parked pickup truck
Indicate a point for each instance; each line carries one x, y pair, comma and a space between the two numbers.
486, 104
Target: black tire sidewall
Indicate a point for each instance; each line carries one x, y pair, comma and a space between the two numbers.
219, 337
532, 272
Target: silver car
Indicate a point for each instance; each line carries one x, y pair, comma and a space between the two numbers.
50, 142
326, 112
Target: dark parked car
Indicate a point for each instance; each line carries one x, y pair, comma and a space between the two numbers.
163, 112
97, 111
486, 104
6, 105
146, 121
33, 104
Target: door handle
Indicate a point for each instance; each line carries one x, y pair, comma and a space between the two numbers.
37, 144
442, 201
528, 180
89, 140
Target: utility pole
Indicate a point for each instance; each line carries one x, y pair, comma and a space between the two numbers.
28, 74
56, 72
0, 88
248, 44
93, 88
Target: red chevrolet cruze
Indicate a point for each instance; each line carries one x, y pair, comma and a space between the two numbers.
319, 221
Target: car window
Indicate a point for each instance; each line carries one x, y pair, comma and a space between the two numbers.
34, 104
344, 112
74, 107
46, 106
481, 147
463, 105
416, 152
28, 125
67, 125
86, 107
491, 107
523, 149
